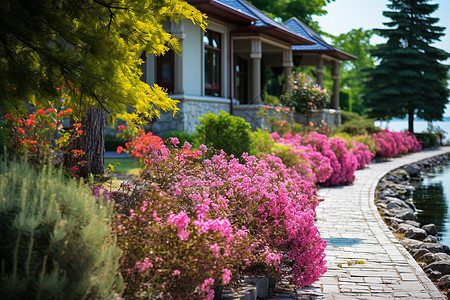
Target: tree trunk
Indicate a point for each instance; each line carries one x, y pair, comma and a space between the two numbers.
411, 121
91, 142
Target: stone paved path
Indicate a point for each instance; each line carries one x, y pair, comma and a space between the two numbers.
348, 220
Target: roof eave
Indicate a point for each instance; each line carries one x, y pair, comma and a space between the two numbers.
278, 33
222, 12
341, 55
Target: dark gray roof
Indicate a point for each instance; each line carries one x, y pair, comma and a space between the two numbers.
320, 45
262, 20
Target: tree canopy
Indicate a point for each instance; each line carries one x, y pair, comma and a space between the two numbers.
91, 48
286, 9
410, 79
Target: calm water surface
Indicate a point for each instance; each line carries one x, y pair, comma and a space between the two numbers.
432, 199
419, 125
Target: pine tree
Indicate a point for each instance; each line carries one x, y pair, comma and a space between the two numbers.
410, 79
92, 49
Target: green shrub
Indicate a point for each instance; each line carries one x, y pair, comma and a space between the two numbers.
224, 131
112, 141
182, 136
427, 139
55, 238
354, 124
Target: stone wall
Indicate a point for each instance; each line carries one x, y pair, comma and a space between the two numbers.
331, 116
250, 114
187, 117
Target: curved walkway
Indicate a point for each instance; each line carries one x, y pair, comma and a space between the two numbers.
349, 221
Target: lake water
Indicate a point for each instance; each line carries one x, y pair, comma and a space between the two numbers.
419, 125
432, 199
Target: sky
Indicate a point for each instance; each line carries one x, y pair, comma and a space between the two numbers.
344, 15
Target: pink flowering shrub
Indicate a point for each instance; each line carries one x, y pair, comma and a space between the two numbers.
342, 162
167, 253
233, 214
390, 144
362, 153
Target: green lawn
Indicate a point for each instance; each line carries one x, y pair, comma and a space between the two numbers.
123, 165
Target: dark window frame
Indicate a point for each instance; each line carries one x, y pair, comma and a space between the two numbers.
168, 57
213, 88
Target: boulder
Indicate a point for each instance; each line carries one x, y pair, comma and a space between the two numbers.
386, 193
403, 228
434, 276
405, 214
391, 220
441, 256
413, 170
428, 258
442, 266
444, 282
430, 228
390, 206
416, 233
412, 245
431, 239
399, 202
413, 223
420, 253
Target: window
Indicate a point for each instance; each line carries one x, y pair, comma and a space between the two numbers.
164, 71
212, 44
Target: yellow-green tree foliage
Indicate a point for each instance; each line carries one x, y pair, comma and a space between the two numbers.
91, 48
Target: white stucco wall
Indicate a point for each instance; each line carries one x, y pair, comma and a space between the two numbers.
193, 60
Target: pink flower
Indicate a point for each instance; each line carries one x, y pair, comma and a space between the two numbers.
174, 141
143, 266
176, 272
226, 276
119, 149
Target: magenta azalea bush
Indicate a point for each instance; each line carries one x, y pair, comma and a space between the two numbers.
335, 156
390, 144
205, 219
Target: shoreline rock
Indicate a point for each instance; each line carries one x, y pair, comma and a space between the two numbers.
394, 202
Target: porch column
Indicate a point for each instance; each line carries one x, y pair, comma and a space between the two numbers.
335, 71
287, 67
256, 55
178, 33
320, 71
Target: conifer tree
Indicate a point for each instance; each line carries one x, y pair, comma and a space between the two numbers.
91, 49
410, 79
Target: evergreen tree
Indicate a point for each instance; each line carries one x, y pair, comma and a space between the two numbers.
410, 79
91, 49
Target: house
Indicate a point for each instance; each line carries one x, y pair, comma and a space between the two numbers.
225, 67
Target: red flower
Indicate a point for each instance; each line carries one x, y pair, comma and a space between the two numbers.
121, 127
52, 124
8, 116
68, 111
41, 111
119, 149
20, 130
77, 125
80, 131
51, 110
32, 116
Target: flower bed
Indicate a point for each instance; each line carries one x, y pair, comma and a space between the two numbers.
256, 215
391, 144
